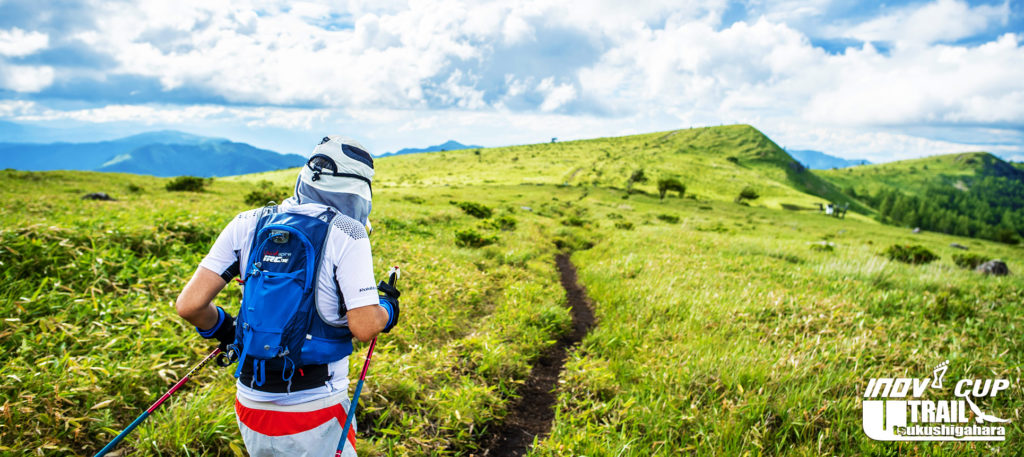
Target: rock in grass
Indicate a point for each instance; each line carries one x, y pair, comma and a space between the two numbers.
993, 267
99, 196
958, 246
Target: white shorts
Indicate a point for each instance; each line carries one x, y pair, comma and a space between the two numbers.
311, 429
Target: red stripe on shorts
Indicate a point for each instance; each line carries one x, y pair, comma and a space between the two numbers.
280, 423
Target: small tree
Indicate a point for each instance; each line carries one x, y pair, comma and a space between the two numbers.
638, 176
667, 184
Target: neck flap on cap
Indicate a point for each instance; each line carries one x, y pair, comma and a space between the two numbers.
346, 188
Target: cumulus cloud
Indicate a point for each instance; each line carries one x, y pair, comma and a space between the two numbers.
16, 42
667, 63
25, 78
555, 95
941, 84
256, 117
875, 146
939, 21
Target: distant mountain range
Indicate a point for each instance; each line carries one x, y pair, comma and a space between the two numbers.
450, 145
162, 153
817, 160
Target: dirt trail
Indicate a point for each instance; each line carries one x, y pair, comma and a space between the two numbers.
532, 414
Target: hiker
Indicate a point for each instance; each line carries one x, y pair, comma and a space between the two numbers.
286, 403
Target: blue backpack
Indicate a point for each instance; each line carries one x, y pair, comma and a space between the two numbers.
278, 327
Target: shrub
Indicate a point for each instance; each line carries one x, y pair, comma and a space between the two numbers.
670, 218
414, 199
186, 183
624, 225
733, 159
969, 261
573, 239
823, 246
912, 254
265, 193
574, 221
134, 188
748, 193
505, 223
469, 238
477, 210
667, 184
1008, 236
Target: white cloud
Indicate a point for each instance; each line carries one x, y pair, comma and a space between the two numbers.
875, 146
555, 96
14, 109
666, 63
515, 30
256, 117
25, 78
942, 20
939, 84
17, 42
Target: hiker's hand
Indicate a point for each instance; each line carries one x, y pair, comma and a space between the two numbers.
224, 331
389, 301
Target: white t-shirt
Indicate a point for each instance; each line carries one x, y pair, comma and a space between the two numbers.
346, 266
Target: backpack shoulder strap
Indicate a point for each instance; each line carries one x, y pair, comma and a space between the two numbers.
264, 216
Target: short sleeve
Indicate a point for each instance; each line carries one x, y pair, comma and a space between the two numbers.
354, 275
223, 257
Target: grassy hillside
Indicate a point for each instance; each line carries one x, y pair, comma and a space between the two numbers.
723, 329
916, 175
714, 163
972, 194
733, 332
90, 337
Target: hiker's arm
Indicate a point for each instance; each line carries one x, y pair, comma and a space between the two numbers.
366, 322
195, 303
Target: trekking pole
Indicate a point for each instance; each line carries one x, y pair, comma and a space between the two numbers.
392, 279
138, 420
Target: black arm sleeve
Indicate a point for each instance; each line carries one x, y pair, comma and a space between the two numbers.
230, 273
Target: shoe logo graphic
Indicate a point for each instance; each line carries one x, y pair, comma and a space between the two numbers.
938, 374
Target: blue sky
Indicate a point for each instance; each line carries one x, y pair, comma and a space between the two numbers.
854, 79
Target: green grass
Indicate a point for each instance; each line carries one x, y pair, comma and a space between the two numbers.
697, 157
746, 340
915, 175
722, 329
90, 337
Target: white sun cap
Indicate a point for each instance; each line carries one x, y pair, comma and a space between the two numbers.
338, 174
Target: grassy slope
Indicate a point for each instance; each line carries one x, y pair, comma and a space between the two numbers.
728, 333
723, 332
916, 174
89, 336
698, 157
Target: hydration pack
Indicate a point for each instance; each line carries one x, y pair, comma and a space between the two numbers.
278, 327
